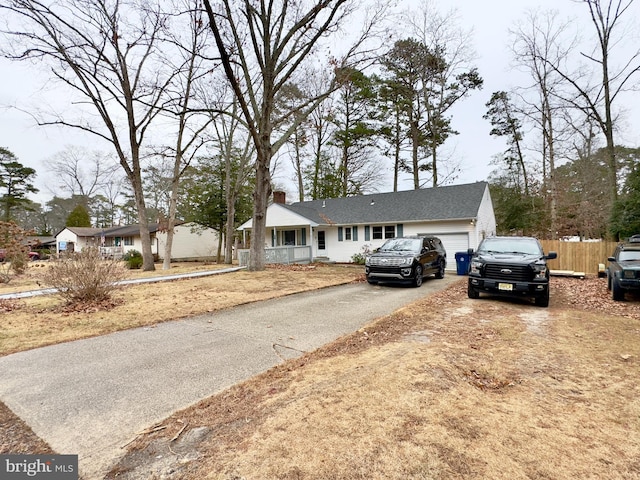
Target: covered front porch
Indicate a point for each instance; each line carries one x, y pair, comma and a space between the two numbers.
290, 244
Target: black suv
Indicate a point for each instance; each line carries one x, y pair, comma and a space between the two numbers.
510, 266
406, 259
623, 272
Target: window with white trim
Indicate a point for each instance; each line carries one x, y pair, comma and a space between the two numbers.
389, 231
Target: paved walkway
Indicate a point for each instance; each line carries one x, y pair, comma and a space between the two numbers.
162, 278
90, 397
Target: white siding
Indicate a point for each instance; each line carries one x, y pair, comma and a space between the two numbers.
137, 244
68, 238
454, 235
279, 216
486, 221
344, 250
189, 242
74, 242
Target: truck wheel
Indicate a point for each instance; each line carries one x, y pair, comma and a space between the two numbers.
617, 293
543, 300
472, 292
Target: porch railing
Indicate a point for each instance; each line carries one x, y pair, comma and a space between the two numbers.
111, 252
282, 255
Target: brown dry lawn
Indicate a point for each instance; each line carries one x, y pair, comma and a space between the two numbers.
445, 388
44, 320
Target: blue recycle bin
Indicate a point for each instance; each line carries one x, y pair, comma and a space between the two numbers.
462, 262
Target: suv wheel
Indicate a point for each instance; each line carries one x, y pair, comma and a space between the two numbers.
371, 282
472, 292
440, 272
417, 279
617, 293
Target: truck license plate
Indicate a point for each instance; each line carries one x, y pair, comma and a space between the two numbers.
505, 286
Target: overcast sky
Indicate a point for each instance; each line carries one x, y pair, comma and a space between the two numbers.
25, 85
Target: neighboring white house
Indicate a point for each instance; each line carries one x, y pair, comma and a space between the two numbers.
74, 239
335, 229
190, 242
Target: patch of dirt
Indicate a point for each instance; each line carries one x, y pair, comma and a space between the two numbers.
591, 294
90, 307
7, 305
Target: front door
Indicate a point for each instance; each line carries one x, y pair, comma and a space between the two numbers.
322, 244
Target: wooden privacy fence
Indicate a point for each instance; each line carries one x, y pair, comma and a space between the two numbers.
579, 256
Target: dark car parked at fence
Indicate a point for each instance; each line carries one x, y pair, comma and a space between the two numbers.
623, 272
512, 267
407, 260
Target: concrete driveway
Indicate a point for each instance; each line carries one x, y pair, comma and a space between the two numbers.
90, 397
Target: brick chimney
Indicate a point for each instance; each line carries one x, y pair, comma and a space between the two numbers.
279, 197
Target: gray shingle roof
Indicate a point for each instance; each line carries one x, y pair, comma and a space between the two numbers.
126, 230
440, 203
83, 231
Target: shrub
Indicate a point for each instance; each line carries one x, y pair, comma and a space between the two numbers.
14, 255
360, 258
133, 259
84, 277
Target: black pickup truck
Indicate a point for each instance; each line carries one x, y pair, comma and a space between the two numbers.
623, 273
510, 266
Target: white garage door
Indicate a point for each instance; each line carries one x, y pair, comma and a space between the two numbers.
453, 242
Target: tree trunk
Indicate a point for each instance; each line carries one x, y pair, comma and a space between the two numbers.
260, 203
229, 234
434, 164
298, 166
230, 199
171, 221
220, 243
147, 256
415, 133
396, 163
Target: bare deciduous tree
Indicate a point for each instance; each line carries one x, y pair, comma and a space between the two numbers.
542, 36
270, 42
188, 40
231, 138
106, 52
80, 171
598, 99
